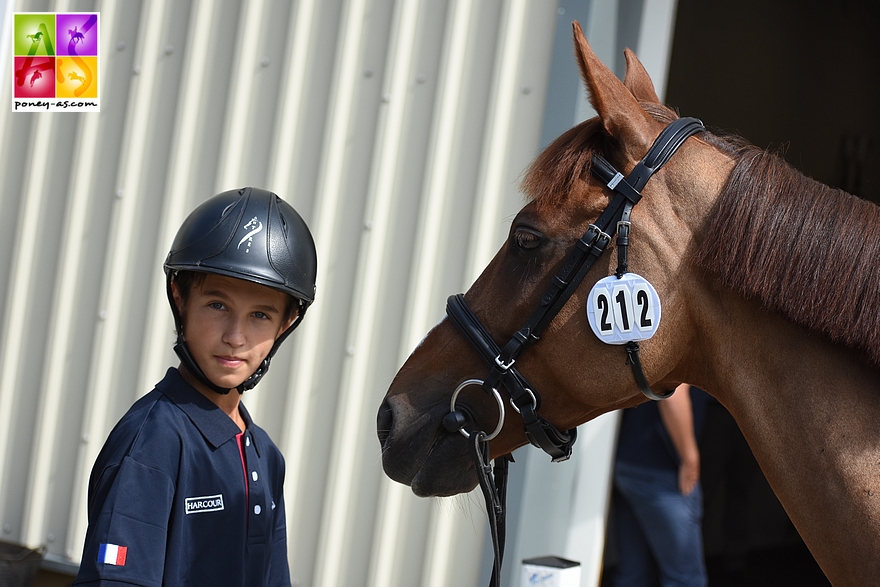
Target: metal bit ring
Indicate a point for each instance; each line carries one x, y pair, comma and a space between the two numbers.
498, 400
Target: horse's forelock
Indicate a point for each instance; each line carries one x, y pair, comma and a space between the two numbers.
554, 175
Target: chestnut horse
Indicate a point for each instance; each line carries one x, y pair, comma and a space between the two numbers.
770, 292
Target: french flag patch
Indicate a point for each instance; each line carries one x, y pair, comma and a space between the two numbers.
112, 554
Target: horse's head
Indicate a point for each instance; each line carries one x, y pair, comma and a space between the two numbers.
577, 376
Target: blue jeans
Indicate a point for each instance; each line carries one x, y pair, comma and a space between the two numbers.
659, 532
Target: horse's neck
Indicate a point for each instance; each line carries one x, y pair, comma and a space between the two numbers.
811, 414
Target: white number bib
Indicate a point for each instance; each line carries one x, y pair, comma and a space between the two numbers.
625, 309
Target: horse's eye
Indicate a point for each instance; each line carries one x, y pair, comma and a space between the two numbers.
526, 239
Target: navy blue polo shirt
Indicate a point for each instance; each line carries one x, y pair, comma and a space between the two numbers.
644, 441
168, 500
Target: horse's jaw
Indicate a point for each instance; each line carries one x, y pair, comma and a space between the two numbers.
417, 451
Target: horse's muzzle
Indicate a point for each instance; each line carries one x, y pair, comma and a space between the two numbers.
418, 451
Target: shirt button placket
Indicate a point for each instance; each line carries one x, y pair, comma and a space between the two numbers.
255, 490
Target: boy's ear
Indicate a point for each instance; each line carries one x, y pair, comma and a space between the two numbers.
178, 299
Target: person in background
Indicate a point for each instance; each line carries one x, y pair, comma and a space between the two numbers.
657, 500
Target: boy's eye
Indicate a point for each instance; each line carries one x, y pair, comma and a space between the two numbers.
261, 315
216, 305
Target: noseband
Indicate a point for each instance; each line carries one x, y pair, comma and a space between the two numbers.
615, 219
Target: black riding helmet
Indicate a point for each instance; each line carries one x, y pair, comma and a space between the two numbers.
249, 234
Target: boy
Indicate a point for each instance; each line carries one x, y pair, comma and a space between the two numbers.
187, 490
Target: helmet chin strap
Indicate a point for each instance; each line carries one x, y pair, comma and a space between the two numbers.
182, 351
189, 363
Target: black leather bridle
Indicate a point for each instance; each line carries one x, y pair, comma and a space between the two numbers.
501, 360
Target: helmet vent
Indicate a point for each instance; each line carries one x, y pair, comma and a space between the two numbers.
227, 209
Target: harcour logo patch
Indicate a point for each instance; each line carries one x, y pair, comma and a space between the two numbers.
208, 503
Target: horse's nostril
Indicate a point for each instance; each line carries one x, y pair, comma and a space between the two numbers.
384, 420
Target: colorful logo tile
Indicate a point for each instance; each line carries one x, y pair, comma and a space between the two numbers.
76, 77
77, 34
56, 59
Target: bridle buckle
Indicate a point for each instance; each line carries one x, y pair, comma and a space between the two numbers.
504, 366
601, 235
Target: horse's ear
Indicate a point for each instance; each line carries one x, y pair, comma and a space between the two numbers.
616, 105
637, 79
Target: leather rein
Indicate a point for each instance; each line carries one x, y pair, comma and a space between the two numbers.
615, 219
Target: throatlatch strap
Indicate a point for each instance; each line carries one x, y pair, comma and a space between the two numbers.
632, 359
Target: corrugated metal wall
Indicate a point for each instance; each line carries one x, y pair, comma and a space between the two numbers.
399, 130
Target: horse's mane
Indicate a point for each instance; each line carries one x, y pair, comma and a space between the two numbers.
802, 249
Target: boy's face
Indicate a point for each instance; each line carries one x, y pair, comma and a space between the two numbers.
230, 326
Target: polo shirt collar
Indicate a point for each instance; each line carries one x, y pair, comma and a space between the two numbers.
212, 422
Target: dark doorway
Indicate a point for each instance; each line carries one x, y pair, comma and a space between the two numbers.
800, 76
